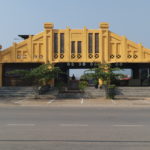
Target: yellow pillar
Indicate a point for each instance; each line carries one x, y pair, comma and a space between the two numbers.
105, 68
100, 82
13, 52
124, 48
141, 52
67, 44
104, 42
51, 82
48, 42
48, 46
1, 76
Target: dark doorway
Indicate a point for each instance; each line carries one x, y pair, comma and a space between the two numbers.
15, 80
65, 67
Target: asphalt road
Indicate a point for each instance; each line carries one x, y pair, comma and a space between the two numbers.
74, 128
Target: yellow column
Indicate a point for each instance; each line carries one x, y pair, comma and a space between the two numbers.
67, 44
1, 75
100, 83
48, 42
13, 52
104, 31
48, 45
84, 48
141, 52
105, 68
45, 47
51, 82
30, 51
124, 48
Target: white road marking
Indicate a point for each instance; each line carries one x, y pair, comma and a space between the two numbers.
146, 101
19, 101
50, 101
74, 125
82, 101
128, 125
21, 124
113, 101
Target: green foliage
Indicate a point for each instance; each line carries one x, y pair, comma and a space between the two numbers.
108, 75
110, 92
112, 86
105, 73
83, 85
60, 85
39, 75
87, 76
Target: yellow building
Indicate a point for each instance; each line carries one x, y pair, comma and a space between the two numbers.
74, 48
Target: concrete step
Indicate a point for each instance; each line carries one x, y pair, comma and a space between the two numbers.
92, 92
121, 91
134, 91
16, 92
16, 88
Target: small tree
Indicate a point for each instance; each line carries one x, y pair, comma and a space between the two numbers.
38, 76
107, 75
104, 72
82, 85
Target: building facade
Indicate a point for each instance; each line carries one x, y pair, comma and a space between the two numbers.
74, 46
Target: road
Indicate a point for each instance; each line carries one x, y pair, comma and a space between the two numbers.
74, 128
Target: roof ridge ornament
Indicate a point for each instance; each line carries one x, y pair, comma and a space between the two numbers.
104, 25
48, 25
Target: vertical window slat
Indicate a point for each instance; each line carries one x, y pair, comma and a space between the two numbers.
79, 46
90, 42
72, 46
55, 42
96, 42
61, 42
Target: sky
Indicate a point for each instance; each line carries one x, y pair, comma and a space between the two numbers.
126, 17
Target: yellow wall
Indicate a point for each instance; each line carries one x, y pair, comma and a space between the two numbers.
40, 48
1, 74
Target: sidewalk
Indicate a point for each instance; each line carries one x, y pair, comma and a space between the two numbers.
134, 101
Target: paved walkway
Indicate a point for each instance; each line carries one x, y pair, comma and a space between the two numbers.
134, 101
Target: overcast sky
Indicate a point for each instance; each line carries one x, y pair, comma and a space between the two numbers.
126, 17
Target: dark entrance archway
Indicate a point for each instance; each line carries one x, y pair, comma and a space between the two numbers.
65, 68
140, 73
15, 80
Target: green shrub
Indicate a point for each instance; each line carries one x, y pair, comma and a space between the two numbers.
110, 91
83, 85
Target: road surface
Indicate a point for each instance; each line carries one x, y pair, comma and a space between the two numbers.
74, 128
